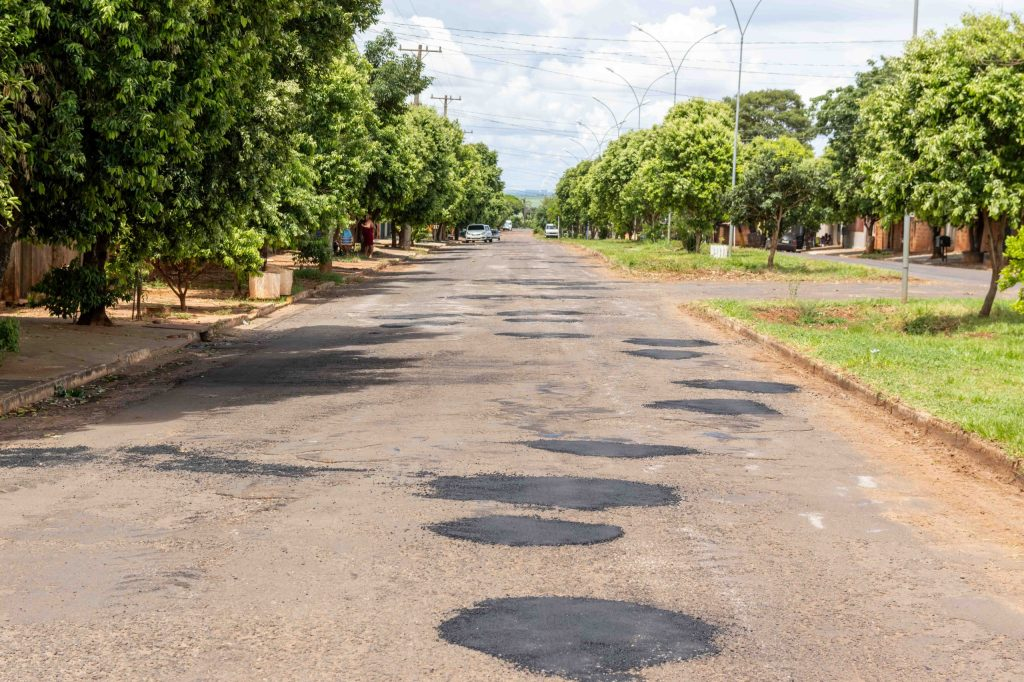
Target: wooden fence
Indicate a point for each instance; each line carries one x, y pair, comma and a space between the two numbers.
28, 264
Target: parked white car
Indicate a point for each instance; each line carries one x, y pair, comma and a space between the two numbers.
551, 231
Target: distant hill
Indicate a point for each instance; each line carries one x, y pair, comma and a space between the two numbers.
531, 197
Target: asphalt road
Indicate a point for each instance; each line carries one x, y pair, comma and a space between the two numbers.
466, 471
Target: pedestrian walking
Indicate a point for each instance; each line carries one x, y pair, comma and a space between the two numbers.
367, 232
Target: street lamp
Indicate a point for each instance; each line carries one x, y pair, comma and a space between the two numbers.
671, 62
615, 119
905, 283
639, 103
739, 84
592, 133
582, 146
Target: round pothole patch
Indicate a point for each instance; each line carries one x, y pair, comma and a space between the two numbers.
719, 407
665, 354
671, 343
610, 448
580, 639
566, 492
527, 531
768, 387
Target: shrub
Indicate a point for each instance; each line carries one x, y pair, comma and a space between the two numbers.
10, 334
314, 249
70, 290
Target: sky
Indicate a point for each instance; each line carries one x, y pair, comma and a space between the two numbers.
544, 82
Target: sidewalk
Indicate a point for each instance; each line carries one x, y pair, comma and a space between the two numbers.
59, 355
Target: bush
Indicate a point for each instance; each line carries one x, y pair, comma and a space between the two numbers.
10, 334
68, 291
314, 249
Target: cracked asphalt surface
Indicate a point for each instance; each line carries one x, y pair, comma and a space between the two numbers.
267, 510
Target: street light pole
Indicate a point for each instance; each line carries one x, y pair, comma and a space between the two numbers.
905, 284
590, 130
639, 103
676, 68
739, 86
615, 119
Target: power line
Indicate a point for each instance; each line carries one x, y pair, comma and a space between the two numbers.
634, 40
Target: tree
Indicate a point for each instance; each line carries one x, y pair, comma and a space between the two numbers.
1013, 272
837, 115
777, 179
433, 142
945, 138
773, 114
18, 20
574, 198
609, 176
694, 164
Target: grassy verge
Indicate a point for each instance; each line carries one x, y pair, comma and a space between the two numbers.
308, 278
934, 355
669, 261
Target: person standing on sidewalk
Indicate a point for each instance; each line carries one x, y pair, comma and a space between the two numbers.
367, 232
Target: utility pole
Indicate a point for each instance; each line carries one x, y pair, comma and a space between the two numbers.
905, 285
676, 68
446, 99
420, 52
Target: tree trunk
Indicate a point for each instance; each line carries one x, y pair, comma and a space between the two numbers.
996, 235
183, 306
7, 239
976, 233
775, 241
96, 257
406, 242
869, 235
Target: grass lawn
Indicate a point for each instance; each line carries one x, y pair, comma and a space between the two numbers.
935, 355
670, 261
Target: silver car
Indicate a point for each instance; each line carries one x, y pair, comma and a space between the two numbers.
478, 233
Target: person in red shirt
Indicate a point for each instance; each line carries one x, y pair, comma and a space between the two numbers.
367, 230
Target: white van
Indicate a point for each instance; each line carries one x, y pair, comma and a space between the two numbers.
551, 231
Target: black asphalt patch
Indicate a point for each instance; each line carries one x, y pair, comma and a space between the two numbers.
23, 458
548, 320
534, 313
672, 343
544, 335
771, 387
589, 640
589, 494
610, 448
174, 458
718, 406
527, 531
665, 354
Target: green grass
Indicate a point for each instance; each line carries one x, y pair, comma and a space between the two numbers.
934, 355
662, 259
306, 276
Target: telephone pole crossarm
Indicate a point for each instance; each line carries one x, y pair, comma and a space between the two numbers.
420, 51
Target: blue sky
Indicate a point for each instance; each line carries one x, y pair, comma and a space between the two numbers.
528, 71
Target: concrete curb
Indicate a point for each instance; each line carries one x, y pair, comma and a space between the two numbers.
40, 391
983, 453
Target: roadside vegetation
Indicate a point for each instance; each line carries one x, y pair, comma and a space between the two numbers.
668, 260
935, 131
165, 140
935, 355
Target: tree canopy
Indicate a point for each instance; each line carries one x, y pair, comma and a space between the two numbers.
772, 114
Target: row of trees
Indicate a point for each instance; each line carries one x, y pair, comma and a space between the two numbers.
937, 132
165, 135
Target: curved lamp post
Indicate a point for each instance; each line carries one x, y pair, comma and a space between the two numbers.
739, 84
676, 68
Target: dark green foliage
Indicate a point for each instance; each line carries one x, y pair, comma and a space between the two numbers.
772, 114
75, 288
10, 333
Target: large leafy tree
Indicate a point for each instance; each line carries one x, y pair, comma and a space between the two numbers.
945, 135
778, 180
18, 21
694, 164
773, 114
609, 177
433, 144
574, 197
837, 115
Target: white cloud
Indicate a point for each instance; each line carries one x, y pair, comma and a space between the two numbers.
523, 94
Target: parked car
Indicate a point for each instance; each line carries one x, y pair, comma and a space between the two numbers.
496, 234
787, 243
551, 231
477, 233
489, 233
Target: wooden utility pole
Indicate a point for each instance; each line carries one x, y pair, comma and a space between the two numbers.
446, 99
420, 51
